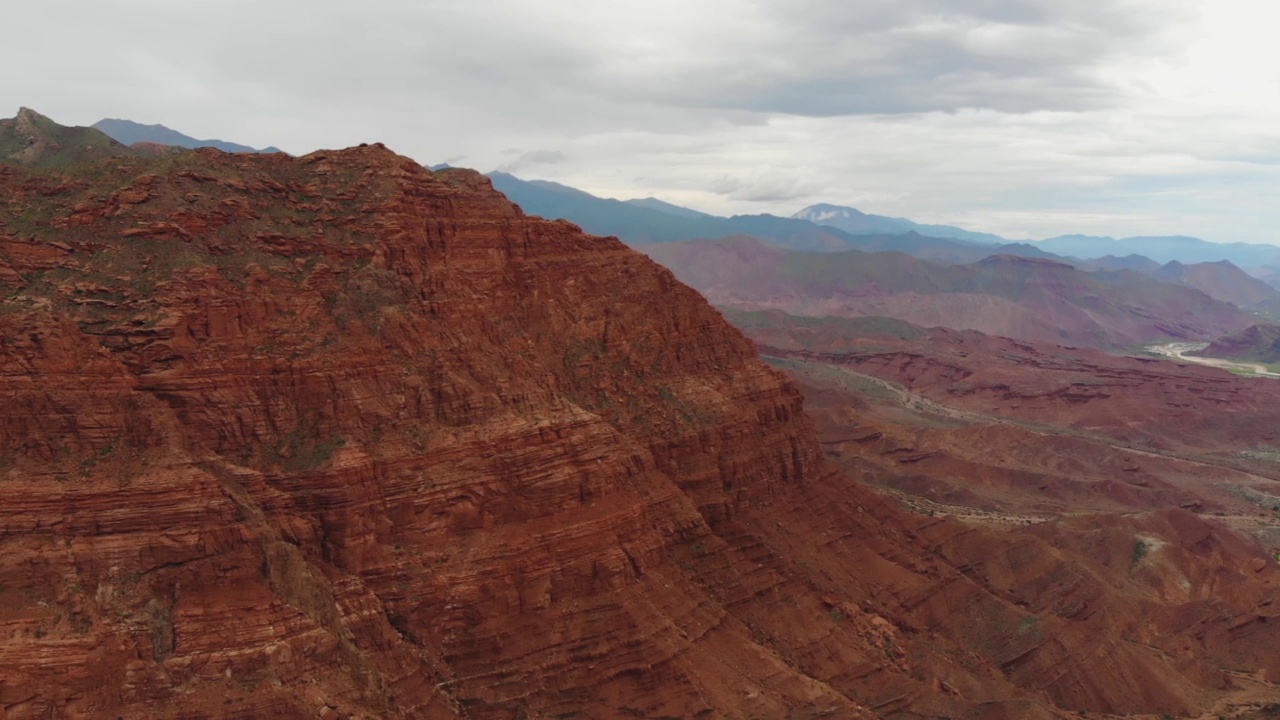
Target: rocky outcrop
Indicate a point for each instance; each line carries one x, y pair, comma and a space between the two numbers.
1256, 343
338, 436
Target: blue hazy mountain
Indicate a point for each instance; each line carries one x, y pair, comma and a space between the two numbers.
661, 206
835, 228
1164, 249
129, 132
642, 222
639, 225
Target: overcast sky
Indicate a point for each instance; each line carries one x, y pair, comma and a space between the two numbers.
1028, 118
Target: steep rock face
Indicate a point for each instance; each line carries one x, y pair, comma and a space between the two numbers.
279, 434
393, 391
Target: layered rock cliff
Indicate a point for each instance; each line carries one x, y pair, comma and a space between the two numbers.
337, 435
271, 421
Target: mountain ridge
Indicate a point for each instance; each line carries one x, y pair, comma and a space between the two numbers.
128, 132
1221, 279
32, 139
642, 225
654, 203
1042, 299
1164, 249
856, 222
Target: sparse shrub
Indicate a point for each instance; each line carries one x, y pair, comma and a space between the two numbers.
311, 457
1140, 550
1029, 624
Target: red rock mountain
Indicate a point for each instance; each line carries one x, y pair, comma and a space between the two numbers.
338, 436
1220, 280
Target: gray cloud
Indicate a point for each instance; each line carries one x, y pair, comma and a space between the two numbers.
833, 57
770, 185
1027, 117
827, 58
533, 158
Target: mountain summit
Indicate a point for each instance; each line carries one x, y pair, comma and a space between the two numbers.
32, 139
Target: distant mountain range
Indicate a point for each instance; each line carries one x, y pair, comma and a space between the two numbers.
640, 223
646, 221
856, 222
1157, 250
831, 228
1164, 249
1007, 295
651, 220
1133, 250
128, 132
1222, 280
